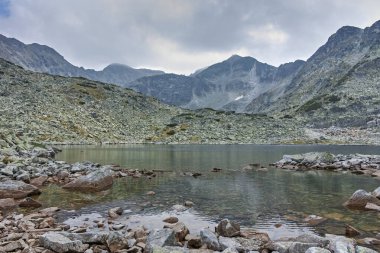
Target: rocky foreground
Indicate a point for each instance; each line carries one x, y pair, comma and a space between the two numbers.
25, 168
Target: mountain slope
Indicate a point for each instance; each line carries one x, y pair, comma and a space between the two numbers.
228, 85
44, 59
338, 85
46, 108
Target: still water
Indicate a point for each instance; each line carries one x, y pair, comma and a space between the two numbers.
275, 200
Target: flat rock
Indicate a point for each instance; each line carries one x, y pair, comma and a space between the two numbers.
360, 249
8, 203
341, 244
61, 244
16, 189
98, 180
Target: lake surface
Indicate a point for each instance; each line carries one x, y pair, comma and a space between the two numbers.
275, 201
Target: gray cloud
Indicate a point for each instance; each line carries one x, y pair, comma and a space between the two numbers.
182, 35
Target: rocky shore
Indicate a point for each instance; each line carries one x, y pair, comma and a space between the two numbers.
354, 163
25, 169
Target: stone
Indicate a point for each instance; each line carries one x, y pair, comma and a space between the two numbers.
360, 249
314, 220
351, 231
376, 192
189, 203
179, 208
116, 241
29, 202
301, 247
8, 203
360, 198
160, 238
16, 189
180, 230
98, 180
317, 250
230, 250
193, 241
115, 212
341, 244
373, 207
150, 193
171, 220
169, 249
39, 181
228, 228
13, 246
226, 242
249, 244
210, 239
61, 244
98, 237
312, 238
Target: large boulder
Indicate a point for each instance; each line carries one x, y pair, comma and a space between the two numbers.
7, 203
360, 198
210, 239
98, 180
228, 228
61, 244
117, 241
360, 249
160, 238
180, 230
16, 189
341, 244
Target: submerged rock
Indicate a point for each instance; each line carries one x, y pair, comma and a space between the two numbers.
98, 180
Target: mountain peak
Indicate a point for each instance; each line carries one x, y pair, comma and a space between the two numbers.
116, 66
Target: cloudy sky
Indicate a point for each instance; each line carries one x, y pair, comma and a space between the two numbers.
181, 36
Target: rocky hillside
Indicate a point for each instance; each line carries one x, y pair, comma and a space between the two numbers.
229, 85
55, 109
339, 84
44, 59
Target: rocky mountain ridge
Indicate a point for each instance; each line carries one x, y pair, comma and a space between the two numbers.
41, 58
55, 109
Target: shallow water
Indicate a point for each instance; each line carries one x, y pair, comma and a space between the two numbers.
275, 201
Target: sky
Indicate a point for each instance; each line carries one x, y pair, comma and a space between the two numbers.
181, 36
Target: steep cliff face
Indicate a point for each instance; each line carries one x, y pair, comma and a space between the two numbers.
44, 59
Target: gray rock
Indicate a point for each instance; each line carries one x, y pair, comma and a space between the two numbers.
61, 244
300, 247
230, 250
341, 244
228, 228
360, 249
311, 238
360, 198
170, 249
98, 237
16, 189
160, 238
210, 239
98, 180
117, 241
376, 192
180, 230
317, 250
226, 242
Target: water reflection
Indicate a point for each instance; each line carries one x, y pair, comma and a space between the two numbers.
263, 199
